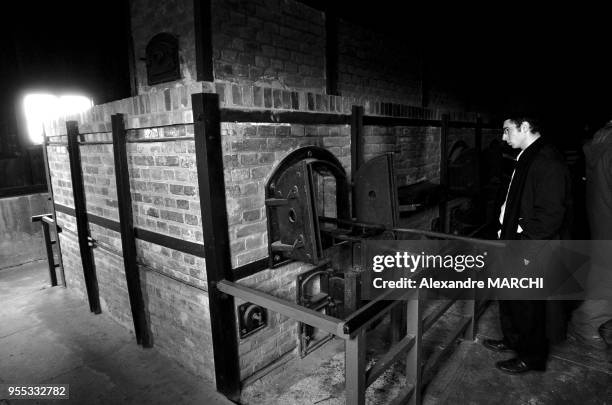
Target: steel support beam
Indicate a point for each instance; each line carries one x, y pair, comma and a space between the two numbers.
128, 238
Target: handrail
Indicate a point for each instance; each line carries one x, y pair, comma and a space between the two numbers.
38, 218
433, 234
373, 310
449, 236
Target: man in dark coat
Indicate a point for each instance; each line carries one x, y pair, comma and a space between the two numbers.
596, 310
537, 208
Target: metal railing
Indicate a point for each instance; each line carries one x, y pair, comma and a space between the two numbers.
419, 371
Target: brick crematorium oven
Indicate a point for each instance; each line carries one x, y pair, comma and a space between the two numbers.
218, 213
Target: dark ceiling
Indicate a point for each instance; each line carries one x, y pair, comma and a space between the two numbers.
548, 62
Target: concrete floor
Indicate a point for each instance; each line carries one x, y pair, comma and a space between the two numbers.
49, 336
575, 374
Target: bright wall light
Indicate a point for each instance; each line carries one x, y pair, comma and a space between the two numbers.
39, 108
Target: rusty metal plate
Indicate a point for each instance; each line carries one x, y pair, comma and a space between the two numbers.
293, 209
291, 213
375, 192
162, 59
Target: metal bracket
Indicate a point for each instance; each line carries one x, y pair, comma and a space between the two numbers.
322, 301
251, 318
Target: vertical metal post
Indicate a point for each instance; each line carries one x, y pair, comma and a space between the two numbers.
202, 11
128, 240
356, 145
398, 323
50, 257
354, 369
89, 271
444, 226
471, 310
55, 226
471, 306
414, 326
478, 148
209, 161
356, 139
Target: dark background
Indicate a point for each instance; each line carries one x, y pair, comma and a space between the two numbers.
549, 62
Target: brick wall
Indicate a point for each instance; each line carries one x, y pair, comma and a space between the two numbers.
59, 168
180, 322
250, 153
98, 167
150, 17
165, 200
279, 44
416, 151
163, 181
71, 259
280, 337
276, 43
112, 285
466, 135
377, 66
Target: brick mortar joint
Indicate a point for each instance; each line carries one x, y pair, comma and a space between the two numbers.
281, 99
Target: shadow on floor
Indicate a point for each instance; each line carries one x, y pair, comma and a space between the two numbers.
48, 336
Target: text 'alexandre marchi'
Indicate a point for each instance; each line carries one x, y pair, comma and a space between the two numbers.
507, 282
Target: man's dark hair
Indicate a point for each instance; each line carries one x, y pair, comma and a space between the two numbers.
534, 123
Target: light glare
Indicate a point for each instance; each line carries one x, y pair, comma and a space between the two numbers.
39, 108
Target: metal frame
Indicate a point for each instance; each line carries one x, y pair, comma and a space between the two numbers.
45, 221
170, 242
209, 160
325, 303
52, 199
353, 332
80, 209
222, 288
128, 239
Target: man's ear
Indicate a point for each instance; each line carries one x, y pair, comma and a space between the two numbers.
525, 127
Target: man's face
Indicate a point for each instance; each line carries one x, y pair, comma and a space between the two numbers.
513, 135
